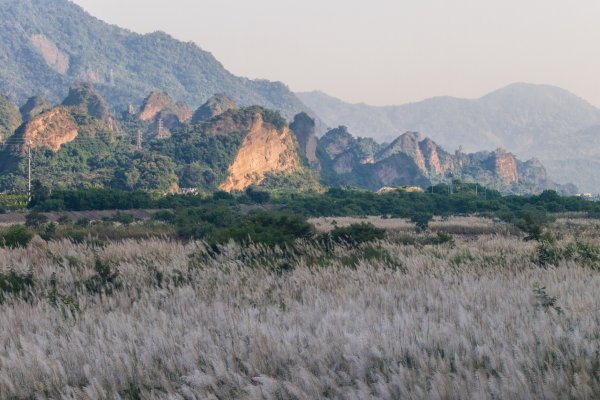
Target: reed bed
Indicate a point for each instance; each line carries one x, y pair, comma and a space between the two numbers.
160, 319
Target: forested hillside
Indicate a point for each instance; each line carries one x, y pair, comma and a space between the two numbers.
163, 146
45, 45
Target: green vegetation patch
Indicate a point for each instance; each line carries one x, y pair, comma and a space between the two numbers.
15, 283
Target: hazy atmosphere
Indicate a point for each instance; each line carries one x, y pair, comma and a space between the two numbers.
402, 202
383, 51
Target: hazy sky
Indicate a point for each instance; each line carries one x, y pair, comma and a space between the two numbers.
385, 51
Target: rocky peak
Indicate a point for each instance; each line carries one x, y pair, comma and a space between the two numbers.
264, 149
161, 102
407, 143
534, 163
431, 159
504, 166
84, 98
396, 170
50, 129
337, 141
160, 106
215, 106
437, 161
411, 159
34, 107
303, 127
10, 117
154, 104
532, 170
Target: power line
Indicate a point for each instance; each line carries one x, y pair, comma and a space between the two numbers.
161, 134
20, 141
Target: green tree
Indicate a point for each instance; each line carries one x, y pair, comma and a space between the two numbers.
132, 178
356, 233
421, 221
257, 195
16, 236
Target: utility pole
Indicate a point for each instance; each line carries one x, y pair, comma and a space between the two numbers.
28, 172
138, 140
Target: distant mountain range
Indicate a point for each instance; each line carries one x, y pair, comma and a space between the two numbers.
46, 45
530, 120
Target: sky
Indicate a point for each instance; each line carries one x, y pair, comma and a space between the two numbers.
384, 52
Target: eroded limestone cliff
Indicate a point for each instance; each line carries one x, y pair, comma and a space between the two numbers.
265, 149
504, 166
83, 98
161, 105
215, 106
303, 127
50, 129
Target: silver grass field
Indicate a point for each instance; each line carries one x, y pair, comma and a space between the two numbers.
160, 319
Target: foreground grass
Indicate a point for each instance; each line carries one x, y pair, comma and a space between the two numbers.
162, 319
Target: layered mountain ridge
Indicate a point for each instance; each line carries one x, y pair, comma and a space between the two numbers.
539, 121
412, 159
159, 146
79, 143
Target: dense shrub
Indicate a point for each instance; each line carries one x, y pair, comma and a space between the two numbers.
526, 212
268, 228
48, 233
258, 196
105, 279
551, 251
204, 222
13, 282
95, 199
16, 236
123, 218
438, 239
82, 222
421, 221
369, 254
355, 233
164, 216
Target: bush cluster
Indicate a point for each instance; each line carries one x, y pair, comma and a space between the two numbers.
15, 236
